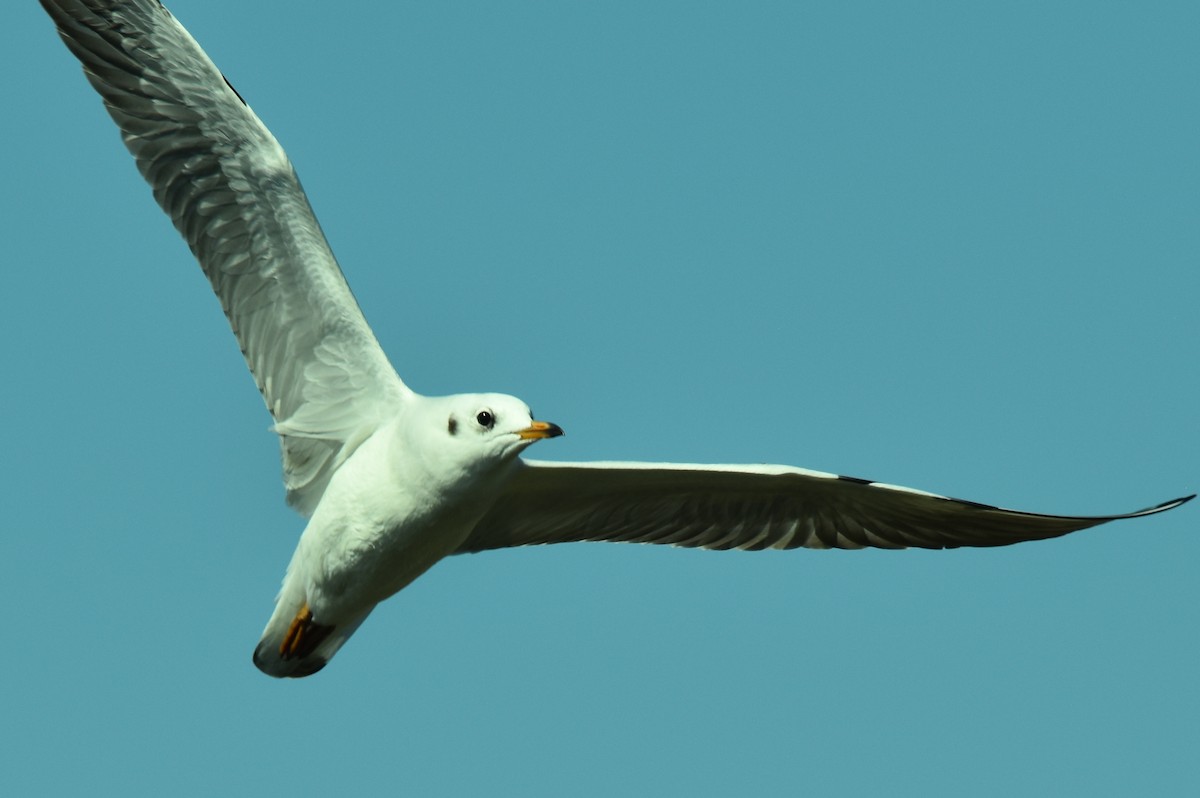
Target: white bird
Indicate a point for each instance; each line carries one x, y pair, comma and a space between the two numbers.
393, 481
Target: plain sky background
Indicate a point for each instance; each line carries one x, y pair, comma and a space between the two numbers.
947, 245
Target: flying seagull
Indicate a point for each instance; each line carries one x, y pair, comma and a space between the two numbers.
390, 480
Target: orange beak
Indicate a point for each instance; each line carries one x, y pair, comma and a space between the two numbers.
540, 429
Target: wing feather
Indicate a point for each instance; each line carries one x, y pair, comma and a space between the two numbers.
750, 508
232, 193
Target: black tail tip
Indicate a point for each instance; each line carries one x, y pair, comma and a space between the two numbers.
271, 663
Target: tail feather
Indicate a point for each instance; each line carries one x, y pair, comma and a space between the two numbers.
283, 654
268, 660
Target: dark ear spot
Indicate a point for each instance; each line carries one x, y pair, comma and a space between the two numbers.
452, 425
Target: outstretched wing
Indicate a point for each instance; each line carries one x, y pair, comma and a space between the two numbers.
748, 507
230, 190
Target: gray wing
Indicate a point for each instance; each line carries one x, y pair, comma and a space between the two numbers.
230, 190
748, 507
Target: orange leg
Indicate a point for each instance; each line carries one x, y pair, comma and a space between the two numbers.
303, 636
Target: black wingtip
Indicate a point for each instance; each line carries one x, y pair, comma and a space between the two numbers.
1171, 505
1160, 508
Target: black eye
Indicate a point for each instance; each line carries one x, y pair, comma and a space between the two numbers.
485, 419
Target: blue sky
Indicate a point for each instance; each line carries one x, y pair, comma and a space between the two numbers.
952, 247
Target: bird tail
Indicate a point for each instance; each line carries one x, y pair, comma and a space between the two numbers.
301, 645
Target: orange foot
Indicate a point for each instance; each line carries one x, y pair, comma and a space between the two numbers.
303, 635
